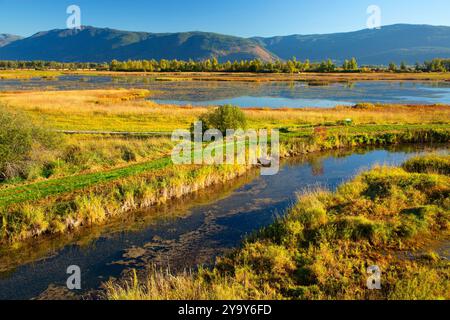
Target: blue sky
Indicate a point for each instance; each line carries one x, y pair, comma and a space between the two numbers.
236, 17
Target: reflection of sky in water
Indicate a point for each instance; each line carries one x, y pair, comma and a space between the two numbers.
248, 94
300, 95
206, 231
441, 95
271, 102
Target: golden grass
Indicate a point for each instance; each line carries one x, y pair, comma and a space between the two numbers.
126, 110
109, 110
382, 114
28, 74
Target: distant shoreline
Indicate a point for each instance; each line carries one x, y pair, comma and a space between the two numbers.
230, 76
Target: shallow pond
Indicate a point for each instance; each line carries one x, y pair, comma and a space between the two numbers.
250, 94
187, 232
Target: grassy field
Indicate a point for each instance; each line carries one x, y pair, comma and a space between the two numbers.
52, 195
88, 180
125, 110
27, 74
63, 204
322, 248
77, 155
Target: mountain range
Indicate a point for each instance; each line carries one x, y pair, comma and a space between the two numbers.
395, 43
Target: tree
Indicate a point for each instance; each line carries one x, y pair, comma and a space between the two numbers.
306, 65
291, 66
437, 65
403, 67
114, 65
418, 67
223, 118
215, 64
353, 64
327, 66
346, 65
392, 67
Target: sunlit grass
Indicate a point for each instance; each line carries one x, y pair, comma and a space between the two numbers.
28, 74
106, 164
125, 110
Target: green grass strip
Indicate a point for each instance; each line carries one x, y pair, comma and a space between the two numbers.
47, 188
43, 189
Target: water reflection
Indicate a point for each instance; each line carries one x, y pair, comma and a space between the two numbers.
250, 94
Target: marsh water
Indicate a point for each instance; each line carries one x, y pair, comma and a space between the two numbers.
250, 94
186, 232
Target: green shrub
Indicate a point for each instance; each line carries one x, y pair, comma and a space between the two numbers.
223, 118
429, 164
356, 228
422, 284
19, 140
364, 106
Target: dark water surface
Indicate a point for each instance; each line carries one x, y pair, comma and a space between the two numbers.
187, 232
248, 94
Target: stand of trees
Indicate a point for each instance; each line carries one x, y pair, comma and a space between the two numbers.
208, 65
436, 65
52, 65
213, 65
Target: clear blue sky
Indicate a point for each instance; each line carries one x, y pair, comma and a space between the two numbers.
236, 17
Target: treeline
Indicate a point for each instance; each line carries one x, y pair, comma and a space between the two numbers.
208, 65
52, 65
213, 65
437, 65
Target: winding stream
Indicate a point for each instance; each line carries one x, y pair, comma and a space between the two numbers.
187, 232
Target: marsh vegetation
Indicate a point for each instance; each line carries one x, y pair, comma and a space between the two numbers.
55, 183
322, 247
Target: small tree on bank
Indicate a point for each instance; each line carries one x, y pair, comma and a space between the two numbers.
223, 118
392, 67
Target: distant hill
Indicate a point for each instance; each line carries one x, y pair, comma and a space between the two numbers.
409, 43
402, 42
6, 39
97, 45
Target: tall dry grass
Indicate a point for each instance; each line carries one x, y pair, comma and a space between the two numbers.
126, 110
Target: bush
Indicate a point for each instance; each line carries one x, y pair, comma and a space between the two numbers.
364, 106
429, 164
224, 118
18, 140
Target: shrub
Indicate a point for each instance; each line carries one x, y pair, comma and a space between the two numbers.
429, 164
311, 211
18, 140
364, 106
224, 118
422, 284
357, 228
